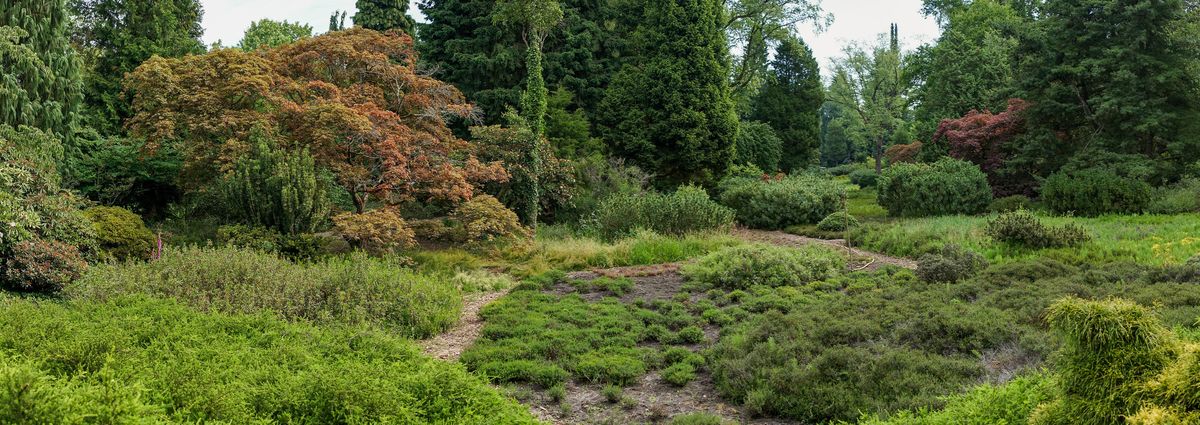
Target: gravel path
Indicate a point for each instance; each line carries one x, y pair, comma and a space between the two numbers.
866, 260
451, 344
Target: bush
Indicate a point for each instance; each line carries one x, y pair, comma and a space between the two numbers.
358, 289
1010, 204
864, 178
597, 179
295, 247
946, 187
758, 145
1183, 197
1093, 192
1021, 228
837, 222
779, 203
39, 265
141, 360
679, 374
952, 264
485, 221
612, 393
687, 210
121, 233
609, 367
277, 189
380, 231
745, 266
985, 404
844, 169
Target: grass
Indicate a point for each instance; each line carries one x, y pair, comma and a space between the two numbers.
564, 251
142, 360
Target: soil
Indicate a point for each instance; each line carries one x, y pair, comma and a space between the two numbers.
451, 344
860, 260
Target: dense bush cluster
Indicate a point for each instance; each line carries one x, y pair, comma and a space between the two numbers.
356, 289
771, 203
276, 189
484, 221
951, 264
864, 178
1022, 228
745, 266
688, 209
138, 360
1093, 192
1010, 204
945, 187
120, 233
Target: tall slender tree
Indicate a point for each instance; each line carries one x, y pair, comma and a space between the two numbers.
790, 102
383, 15
669, 109
40, 75
872, 85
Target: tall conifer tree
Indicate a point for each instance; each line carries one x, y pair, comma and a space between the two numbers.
383, 15
40, 80
790, 102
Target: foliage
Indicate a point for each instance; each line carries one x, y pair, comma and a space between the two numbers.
118, 36
986, 139
355, 126
770, 203
669, 109
121, 233
40, 73
1094, 192
903, 152
758, 145
643, 248
484, 220
40, 265
745, 266
296, 247
598, 179
752, 28
353, 290
1182, 197
790, 102
116, 171
276, 189
213, 367
1010, 203
541, 183
985, 404
869, 84
384, 15
1020, 228
270, 33
679, 374
688, 209
379, 231
699, 419
864, 178
838, 221
951, 264
948, 186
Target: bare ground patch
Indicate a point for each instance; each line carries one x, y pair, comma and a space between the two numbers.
451, 344
860, 260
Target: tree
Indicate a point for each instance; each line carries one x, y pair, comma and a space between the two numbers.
985, 139
872, 86
1110, 75
790, 103
269, 33
122, 34
39, 71
842, 138
354, 99
754, 27
943, 9
669, 109
337, 21
383, 15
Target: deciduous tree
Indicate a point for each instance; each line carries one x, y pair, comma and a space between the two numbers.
269, 33
984, 139
872, 85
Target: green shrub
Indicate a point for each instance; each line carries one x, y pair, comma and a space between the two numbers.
758, 145
1021, 228
541, 373
946, 187
844, 169
357, 289
1183, 197
687, 210
691, 335
381, 231
952, 264
864, 178
837, 222
295, 247
121, 233
675, 355
699, 419
141, 360
557, 393
609, 366
745, 266
1010, 204
1094, 192
779, 203
985, 404
596, 180
276, 189
679, 374
612, 393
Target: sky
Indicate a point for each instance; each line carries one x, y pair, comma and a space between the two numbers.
854, 20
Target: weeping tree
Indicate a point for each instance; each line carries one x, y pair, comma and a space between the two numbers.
40, 77
535, 19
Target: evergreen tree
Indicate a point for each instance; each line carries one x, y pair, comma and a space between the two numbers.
669, 109
123, 34
40, 79
790, 102
269, 33
337, 21
383, 15
1110, 75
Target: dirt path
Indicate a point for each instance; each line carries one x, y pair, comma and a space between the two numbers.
866, 260
451, 344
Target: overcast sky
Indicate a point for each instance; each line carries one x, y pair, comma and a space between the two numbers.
854, 20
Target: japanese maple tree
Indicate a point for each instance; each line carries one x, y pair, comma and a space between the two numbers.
983, 138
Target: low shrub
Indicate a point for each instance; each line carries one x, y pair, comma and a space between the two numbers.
296, 247
985, 404
688, 209
380, 231
1183, 197
952, 264
38, 265
615, 367
946, 187
700, 419
1010, 204
758, 145
1093, 192
121, 233
837, 222
864, 178
612, 393
745, 266
484, 221
844, 169
679, 374
1021, 228
143, 360
357, 289
778, 203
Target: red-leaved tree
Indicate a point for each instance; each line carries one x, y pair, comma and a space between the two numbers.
983, 138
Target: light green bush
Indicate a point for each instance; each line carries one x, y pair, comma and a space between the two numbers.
357, 289
280, 190
837, 222
946, 187
679, 374
1023, 229
745, 266
121, 233
688, 209
779, 203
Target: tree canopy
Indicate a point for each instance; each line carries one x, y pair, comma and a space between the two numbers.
790, 102
40, 74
